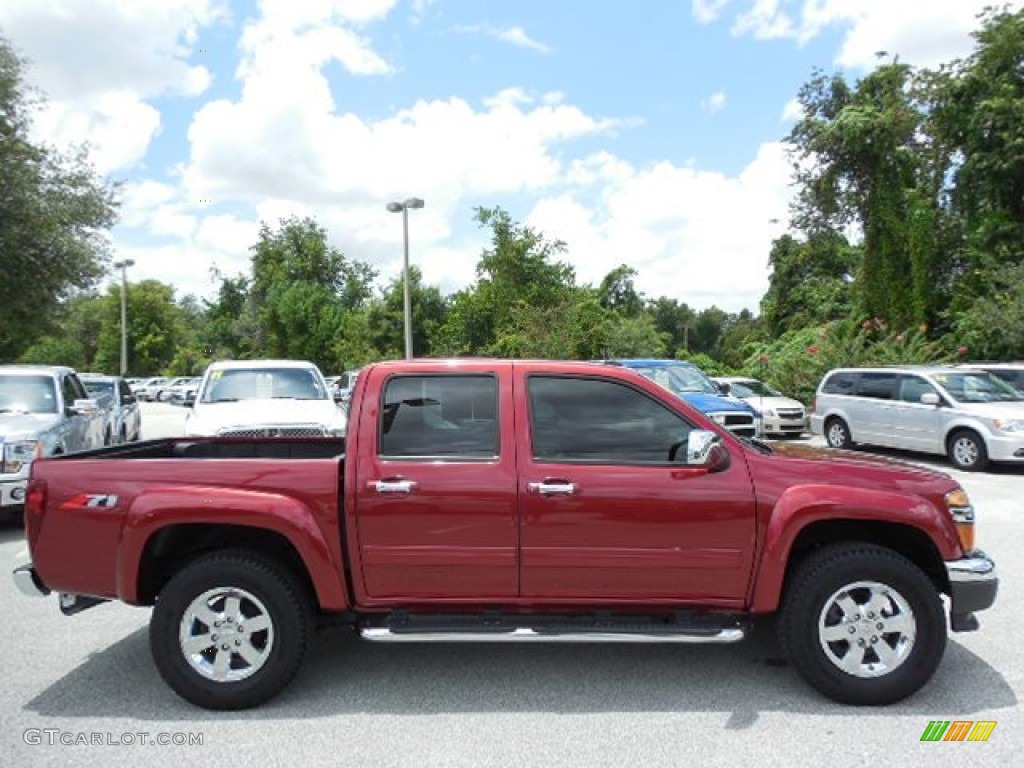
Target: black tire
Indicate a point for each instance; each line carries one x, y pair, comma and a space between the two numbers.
811, 613
837, 433
268, 594
966, 451
106, 438
123, 436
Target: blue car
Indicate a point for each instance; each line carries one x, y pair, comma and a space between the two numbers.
693, 385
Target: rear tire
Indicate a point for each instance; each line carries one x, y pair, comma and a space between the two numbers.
230, 630
837, 433
862, 624
966, 451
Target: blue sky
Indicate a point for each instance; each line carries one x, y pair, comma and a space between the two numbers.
646, 133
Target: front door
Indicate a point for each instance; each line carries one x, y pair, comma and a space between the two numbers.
609, 510
436, 504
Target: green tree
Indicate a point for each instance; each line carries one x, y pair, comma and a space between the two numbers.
386, 317
301, 290
156, 329
53, 210
518, 270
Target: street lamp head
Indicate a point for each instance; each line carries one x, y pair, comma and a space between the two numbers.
414, 202
124, 263
395, 207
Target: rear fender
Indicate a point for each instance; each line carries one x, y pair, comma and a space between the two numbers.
155, 510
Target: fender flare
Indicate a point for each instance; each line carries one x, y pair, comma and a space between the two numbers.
156, 510
804, 505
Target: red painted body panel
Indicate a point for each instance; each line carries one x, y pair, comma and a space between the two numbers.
471, 533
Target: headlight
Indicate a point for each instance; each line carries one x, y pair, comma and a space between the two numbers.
18, 453
718, 418
1008, 425
962, 512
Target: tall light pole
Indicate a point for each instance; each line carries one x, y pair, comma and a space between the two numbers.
123, 266
403, 207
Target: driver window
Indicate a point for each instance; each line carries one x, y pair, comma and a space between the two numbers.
598, 421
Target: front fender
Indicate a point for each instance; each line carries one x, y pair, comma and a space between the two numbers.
154, 511
804, 505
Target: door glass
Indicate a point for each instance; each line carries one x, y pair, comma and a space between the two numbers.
912, 387
440, 416
601, 422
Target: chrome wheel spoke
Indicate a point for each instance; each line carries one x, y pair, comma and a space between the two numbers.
197, 643
901, 623
222, 665
876, 604
835, 633
886, 653
848, 606
256, 624
853, 660
253, 656
233, 608
205, 615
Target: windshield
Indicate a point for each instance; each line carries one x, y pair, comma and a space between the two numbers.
99, 387
264, 383
978, 387
27, 394
678, 378
752, 388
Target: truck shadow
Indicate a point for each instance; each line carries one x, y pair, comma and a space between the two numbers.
345, 675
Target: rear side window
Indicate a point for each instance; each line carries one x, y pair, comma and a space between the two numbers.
841, 383
1013, 378
881, 386
439, 416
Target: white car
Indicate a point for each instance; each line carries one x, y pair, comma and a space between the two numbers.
264, 398
780, 415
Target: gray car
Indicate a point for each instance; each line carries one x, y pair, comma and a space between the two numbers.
967, 414
116, 395
44, 411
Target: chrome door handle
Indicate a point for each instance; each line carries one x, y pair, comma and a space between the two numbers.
393, 486
550, 489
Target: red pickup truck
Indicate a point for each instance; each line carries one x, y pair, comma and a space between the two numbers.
500, 500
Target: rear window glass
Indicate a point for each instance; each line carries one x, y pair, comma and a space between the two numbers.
841, 383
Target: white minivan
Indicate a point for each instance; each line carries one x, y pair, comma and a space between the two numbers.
967, 414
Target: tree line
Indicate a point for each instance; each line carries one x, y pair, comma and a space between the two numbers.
905, 244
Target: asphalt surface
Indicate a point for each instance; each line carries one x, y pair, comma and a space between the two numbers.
90, 677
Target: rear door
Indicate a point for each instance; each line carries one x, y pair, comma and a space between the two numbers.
608, 512
872, 409
916, 426
435, 487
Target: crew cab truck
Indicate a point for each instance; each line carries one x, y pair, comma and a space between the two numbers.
498, 500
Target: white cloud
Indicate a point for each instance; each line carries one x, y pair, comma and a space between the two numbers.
922, 32
99, 62
697, 235
517, 36
707, 11
792, 111
715, 103
513, 35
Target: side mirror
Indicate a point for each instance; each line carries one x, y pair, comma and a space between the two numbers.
129, 399
930, 398
338, 396
84, 407
705, 449
724, 387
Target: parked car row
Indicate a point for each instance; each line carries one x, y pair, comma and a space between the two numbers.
971, 414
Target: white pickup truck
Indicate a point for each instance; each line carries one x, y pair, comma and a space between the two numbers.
44, 411
264, 398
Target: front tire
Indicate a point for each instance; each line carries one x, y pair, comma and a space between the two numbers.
862, 624
229, 631
966, 451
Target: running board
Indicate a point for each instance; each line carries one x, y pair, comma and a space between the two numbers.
523, 634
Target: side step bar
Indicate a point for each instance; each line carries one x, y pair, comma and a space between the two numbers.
525, 634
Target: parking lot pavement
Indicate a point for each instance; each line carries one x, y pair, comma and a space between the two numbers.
355, 703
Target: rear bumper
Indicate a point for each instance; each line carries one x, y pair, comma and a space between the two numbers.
973, 584
28, 582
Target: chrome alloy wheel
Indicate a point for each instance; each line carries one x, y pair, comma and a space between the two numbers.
965, 451
867, 629
226, 634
